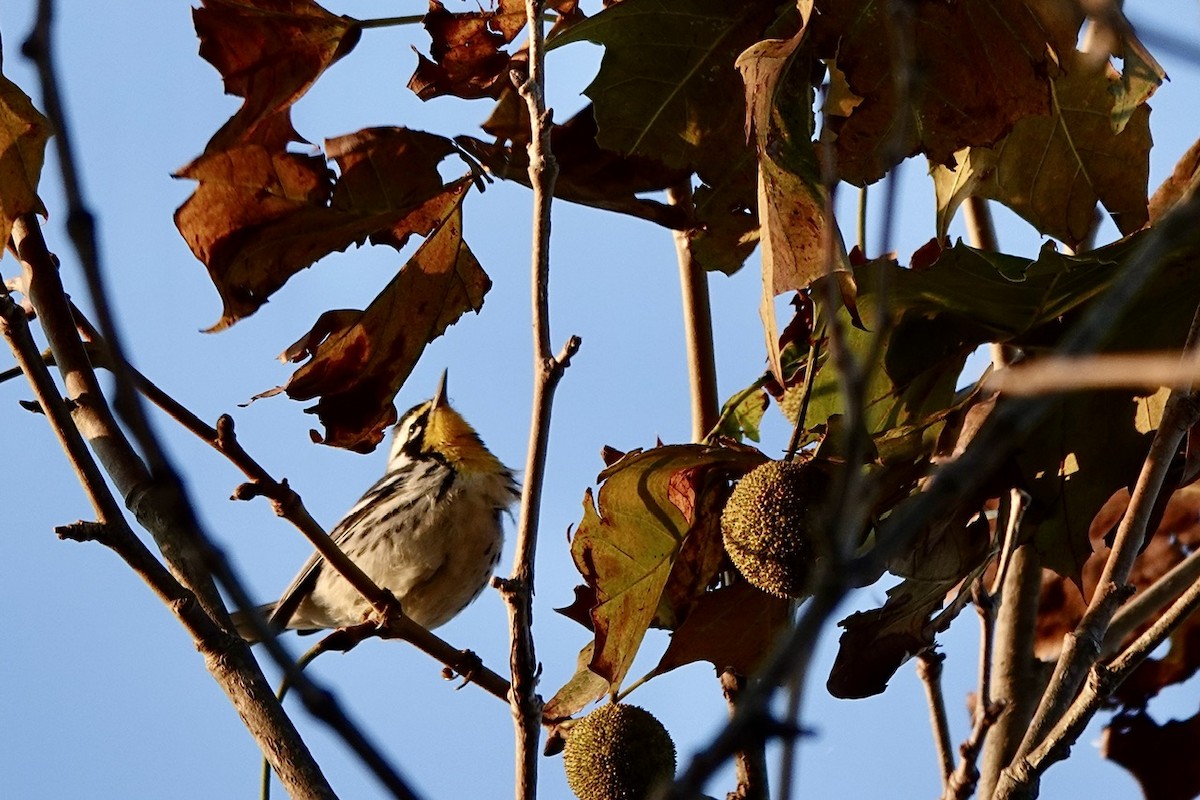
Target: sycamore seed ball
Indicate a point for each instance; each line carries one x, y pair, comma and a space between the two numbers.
618, 752
768, 523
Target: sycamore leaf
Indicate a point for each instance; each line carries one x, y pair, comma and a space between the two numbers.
23, 135
876, 643
1179, 186
269, 52
1141, 75
467, 59
731, 628
1159, 756
978, 67
727, 229
664, 63
1071, 473
800, 243
645, 547
587, 174
363, 360
260, 216
1052, 170
581, 690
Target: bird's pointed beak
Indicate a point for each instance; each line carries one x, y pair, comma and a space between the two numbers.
439, 397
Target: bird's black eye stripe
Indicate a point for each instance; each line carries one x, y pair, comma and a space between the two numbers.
416, 430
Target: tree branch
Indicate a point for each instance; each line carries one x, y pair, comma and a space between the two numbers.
517, 589
287, 503
929, 670
1063, 713
226, 656
155, 494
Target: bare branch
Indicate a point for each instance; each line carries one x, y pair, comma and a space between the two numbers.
517, 589
1082, 647
155, 494
929, 670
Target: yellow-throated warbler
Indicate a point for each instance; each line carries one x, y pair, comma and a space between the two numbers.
429, 531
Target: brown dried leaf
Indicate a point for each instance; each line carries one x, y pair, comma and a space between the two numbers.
357, 370
261, 215
799, 243
731, 628
269, 52
467, 59
876, 643
1161, 757
587, 174
977, 67
1062, 605
23, 135
1180, 185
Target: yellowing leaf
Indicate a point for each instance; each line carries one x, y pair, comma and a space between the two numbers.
1053, 169
23, 135
364, 359
647, 545
800, 243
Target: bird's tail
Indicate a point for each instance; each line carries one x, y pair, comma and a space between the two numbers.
245, 628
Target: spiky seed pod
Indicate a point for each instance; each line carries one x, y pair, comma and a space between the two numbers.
769, 521
618, 752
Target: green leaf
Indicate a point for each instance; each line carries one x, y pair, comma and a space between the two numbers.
1052, 170
652, 543
1071, 472
665, 62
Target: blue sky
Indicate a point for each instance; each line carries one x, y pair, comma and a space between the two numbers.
104, 695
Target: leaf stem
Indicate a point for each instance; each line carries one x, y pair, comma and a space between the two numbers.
697, 323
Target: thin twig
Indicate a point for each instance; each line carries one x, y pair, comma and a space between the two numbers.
156, 495
810, 368
1081, 647
517, 589
1022, 778
1147, 603
288, 505
1007, 426
862, 221
963, 780
929, 670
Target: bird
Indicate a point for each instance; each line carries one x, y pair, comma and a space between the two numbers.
429, 531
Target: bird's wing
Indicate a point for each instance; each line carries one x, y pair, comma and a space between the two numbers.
306, 579
294, 595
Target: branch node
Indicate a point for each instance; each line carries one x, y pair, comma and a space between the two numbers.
247, 491
83, 531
